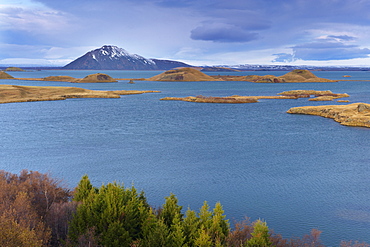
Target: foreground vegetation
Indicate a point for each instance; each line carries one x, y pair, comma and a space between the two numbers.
36, 210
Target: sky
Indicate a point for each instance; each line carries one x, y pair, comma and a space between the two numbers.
198, 32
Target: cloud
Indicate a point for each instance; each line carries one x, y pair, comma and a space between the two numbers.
329, 51
230, 23
220, 32
341, 37
323, 51
284, 57
290, 30
33, 19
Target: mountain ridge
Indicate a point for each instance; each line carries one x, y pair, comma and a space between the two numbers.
111, 57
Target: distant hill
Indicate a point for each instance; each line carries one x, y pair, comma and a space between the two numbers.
183, 74
14, 69
114, 58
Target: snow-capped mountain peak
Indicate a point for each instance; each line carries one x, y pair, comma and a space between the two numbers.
113, 57
114, 51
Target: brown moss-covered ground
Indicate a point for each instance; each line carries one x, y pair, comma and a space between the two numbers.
357, 114
12, 93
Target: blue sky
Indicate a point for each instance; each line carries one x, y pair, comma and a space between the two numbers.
199, 32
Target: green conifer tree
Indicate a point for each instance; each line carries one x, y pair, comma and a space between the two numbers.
115, 213
155, 233
203, 239
177, 237
260, 235
205, 216
83, 189
220, 227
171, 210
191, 226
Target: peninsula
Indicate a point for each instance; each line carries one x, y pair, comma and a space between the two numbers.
357, 114
12, 93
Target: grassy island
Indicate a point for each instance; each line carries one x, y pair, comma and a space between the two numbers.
12, 93
236, 99
14, 69
357, 114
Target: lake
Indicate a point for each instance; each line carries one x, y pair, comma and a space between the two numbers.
297, 172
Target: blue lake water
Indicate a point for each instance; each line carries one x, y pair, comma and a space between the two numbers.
297, 172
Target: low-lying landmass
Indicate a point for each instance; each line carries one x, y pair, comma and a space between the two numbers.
218, 69
298, 75
326, 95
357, 114
189, 74
12, 93
192, 74
93, 78
210, 99
14, 69
237, 99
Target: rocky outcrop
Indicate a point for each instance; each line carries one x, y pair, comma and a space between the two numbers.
4, 75
12, 93
183, 74
357, 114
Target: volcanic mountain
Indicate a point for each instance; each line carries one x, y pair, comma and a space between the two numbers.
114, 58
